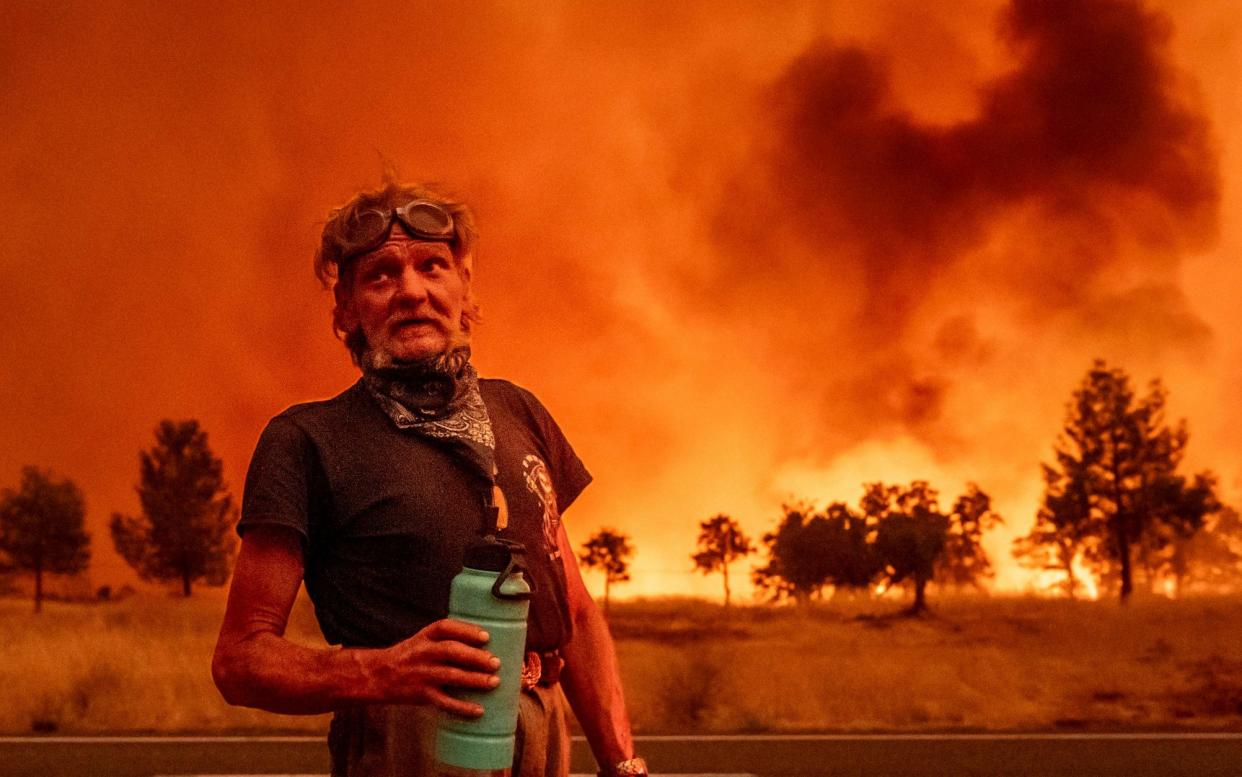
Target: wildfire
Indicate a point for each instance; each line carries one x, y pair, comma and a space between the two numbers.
1085, 578
743, 256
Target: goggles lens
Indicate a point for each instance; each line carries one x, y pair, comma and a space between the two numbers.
426, 219
366, 227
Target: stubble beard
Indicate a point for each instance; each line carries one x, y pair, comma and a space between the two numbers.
381, 356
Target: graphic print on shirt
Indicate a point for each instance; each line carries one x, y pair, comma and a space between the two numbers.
539, 482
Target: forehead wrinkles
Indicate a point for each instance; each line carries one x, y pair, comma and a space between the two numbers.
405, 247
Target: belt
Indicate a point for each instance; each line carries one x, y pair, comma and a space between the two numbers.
541, 669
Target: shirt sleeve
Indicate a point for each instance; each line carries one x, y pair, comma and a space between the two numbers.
278, 482
569, 474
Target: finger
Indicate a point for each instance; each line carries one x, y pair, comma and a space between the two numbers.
447, 629
460, 678
457, 654
455, 706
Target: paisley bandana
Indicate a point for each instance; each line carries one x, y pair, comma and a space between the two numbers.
438, 398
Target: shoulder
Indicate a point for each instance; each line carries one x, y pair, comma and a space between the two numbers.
507, 391
308, 415
310, 425
567, 470
503, 395
521, 405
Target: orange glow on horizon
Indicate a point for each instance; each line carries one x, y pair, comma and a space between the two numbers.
744, 256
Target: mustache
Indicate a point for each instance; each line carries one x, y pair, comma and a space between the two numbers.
400, 320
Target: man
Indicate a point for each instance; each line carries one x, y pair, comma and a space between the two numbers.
372, 496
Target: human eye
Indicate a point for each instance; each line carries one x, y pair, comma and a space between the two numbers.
435, 264
377, 272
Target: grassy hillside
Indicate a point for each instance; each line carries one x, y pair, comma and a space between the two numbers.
142, 664
976, 664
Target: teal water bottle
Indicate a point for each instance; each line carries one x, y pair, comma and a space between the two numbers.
491, 592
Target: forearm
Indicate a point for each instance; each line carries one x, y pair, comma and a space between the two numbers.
271, 673
592, 683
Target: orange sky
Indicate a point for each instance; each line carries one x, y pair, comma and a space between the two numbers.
742, 255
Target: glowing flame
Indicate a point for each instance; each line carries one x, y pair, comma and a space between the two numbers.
905, 258
1085, 578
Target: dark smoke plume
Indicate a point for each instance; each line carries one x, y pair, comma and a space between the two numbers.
1085, 158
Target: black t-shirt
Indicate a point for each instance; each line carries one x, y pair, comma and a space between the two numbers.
385, 515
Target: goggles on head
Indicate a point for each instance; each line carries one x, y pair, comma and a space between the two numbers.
366, 230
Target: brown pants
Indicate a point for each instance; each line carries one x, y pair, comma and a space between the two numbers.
397, 740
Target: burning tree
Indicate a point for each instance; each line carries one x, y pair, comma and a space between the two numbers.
899, 535
1114, 491
41, 528
964, 562
1061, 535
721, 542
850, 559
911, 534
1180, 509
608, 550
1212, 558
186, 529
796, 567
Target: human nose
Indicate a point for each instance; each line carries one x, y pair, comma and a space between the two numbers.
411, 287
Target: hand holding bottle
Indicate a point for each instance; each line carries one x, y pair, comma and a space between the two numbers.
443, 655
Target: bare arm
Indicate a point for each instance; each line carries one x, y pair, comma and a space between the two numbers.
255, 666
591, 677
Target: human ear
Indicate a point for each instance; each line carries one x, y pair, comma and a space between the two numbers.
343, 313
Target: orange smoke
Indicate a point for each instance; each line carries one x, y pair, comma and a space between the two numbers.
739, 253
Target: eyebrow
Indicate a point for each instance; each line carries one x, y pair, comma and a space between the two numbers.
433, 249
376, 256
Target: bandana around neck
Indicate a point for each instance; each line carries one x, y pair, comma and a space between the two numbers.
437, 397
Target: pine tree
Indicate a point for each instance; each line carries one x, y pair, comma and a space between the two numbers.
185, 531
1114, 492
41, 528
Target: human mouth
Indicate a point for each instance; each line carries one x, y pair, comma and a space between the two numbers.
407, 324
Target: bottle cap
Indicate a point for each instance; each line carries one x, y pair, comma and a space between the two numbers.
505, 557
490, 554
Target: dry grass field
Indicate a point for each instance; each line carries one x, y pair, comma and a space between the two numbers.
142, 665
972, 663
